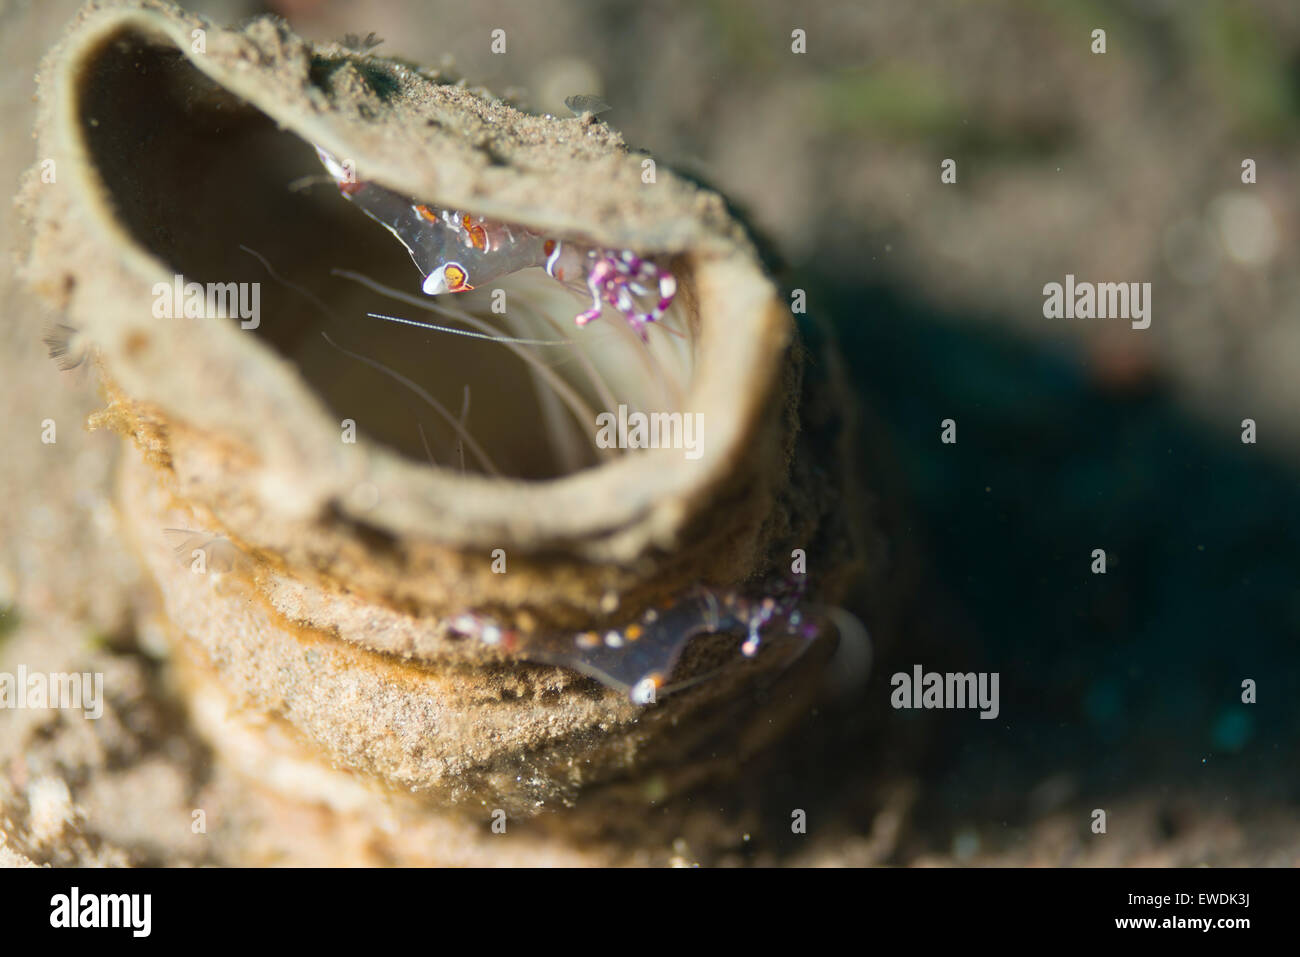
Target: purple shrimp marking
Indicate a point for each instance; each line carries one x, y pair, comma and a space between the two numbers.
456, 251
639, 657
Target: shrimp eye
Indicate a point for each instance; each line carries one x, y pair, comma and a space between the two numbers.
552, 249
426, 213
456, 278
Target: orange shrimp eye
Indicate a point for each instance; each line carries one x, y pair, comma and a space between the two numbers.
456, 278
427, 213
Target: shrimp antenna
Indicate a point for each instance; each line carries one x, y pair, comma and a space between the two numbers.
433, 403
472, 335
582, 412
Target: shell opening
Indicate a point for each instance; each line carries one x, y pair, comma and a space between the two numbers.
202, 177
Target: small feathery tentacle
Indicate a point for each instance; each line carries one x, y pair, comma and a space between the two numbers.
65, 346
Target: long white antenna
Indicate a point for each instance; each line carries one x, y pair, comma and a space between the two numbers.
472, 335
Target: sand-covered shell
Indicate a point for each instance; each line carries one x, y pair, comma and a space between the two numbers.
331, 562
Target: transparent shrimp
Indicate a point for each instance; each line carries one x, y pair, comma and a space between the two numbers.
457, 251
639, 657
